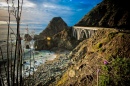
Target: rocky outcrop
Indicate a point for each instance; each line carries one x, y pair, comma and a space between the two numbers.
65, 40
27, 37
59, 35
61, 40
55, 26
108, 13
43, 44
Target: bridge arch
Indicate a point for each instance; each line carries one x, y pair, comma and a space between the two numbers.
84, 33
81, 32
75, 33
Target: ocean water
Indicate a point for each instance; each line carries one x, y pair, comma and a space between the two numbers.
32, 59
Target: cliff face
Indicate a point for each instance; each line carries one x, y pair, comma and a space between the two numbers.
108, 13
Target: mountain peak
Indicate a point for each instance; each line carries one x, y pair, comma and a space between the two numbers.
56, 18
56, 25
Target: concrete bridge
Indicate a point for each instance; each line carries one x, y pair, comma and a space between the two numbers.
80, 32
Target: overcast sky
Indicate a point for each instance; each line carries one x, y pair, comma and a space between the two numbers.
37, 13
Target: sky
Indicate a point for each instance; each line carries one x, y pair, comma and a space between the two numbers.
37, 14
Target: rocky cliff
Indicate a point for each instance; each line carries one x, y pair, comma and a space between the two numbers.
108, 13
65, 40
57, 35
56, 25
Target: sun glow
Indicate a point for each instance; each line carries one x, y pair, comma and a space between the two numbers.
48, 38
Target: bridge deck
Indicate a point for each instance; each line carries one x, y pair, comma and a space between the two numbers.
89, 28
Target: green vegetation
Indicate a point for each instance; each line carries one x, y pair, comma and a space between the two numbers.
63, 80
102, 49
98, 45
116, 73
112, 35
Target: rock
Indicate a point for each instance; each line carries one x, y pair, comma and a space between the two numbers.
27, 37
64, 40
71, 73
43, 44
55, 26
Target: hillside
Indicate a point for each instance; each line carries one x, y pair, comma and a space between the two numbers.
108, 13
107, 53
103, 59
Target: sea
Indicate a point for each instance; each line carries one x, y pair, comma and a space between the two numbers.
31, 58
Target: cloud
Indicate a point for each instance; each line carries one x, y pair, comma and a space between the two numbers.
38, 13
3, 22
3, 4
44, 12
55, 6
6, 22
27, 4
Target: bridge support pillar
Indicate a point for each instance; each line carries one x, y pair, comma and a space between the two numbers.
79, 33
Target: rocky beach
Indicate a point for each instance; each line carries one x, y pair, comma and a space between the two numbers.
51, 70
37, 59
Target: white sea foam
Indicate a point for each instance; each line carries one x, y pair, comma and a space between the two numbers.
37, 58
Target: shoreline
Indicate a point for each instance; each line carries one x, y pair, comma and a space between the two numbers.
51, 70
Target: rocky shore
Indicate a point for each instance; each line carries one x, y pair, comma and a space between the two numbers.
52, 70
